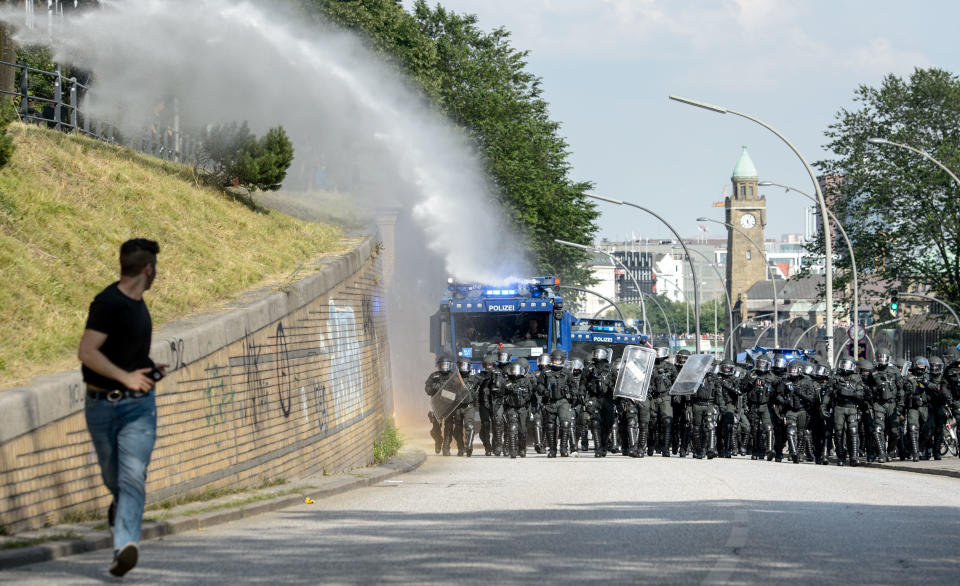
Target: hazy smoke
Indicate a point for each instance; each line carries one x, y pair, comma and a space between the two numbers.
343, 109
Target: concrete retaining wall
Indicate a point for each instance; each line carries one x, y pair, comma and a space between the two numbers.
283, 383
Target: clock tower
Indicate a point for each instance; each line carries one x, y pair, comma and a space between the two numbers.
747, 210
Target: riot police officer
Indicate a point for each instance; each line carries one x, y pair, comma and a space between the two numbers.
951, 382
536, 410
886, 404
598, 383
706, 403
732, 409
659, 409
822, 414
778, 366
517, 396
940, 399
847, 394
467, 411
554, 390
682, 413
578, 412
433, 385
759, 386
794, 396
916, 401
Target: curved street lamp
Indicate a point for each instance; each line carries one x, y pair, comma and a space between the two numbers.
828, 238
653, 298
615, 260
918, 151
766, 261
607, 299
853, 262
725, 293
696, 287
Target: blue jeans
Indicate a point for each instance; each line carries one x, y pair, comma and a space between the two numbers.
123, 433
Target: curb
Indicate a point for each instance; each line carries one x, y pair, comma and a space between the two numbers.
914, 469
402, 463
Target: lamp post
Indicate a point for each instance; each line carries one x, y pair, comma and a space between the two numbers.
607, 299
828, 239
725, 293
853, 262
766, 262
666, 320
696, 289
918, 151
615, 260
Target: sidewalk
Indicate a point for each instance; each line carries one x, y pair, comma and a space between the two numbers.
948, 466
88, 536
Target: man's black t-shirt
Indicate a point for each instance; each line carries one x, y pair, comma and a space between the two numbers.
129, 330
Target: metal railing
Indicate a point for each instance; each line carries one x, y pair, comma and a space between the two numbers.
162, 139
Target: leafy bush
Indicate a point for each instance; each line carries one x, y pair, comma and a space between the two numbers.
232, 155
388, 444
8, 114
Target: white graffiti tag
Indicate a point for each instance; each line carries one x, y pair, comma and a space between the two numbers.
346, 371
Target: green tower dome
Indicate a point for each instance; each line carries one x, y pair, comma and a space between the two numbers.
745, 168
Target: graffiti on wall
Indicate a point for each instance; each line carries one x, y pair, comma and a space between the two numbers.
346, 369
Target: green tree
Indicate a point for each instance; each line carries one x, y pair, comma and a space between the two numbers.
232, 155
899, 209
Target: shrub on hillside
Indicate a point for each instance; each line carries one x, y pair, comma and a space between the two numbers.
232, 155
8, 114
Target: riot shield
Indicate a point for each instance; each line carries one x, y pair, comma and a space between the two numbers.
691, 375
906, 368
445, 401
636, 366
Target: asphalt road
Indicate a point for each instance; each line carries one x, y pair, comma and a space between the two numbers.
614, 520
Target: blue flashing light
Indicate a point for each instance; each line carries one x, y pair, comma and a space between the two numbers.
500, 292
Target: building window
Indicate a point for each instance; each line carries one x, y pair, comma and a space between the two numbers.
748, 255
750, 190
743, 190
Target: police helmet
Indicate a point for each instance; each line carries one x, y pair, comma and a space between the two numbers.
821, 372
794, 369
808, 368
662, 352
600, 354
543, 361
557, 359
936, 365
739, 372
463, 365
444, 363
727, 367
920, 364
515, 369
681, 357
865, 365
576, 365
899, 362
883, 358
488, 362
503, 357
779, 364
846, 365
762, 364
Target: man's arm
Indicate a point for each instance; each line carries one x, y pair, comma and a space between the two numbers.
91, 357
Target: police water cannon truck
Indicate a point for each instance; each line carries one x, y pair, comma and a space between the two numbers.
588, 333
524, 318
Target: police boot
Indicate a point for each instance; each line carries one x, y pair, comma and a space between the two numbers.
792, 447
538, 436
744, 443
913, 433
825, 449
468, 433
854, 438
769, 440
498, 437
698, 443
647, 440
550, 430
437, 434
642, 434
485, 438
632, 435
881, 441
512, 443
711, 442
584, 441
807, 451
447, 437
572, 438
615, 445
564, 439
667, 429
598, 447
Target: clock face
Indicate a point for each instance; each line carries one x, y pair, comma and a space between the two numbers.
748, 220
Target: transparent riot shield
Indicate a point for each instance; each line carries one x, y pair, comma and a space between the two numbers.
636, 367
691, 375
449, 397
906, 368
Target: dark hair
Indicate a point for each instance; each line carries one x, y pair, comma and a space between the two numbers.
137, 253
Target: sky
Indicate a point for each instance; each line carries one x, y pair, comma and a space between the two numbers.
608, 67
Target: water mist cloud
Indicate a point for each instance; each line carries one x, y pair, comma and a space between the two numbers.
233, 61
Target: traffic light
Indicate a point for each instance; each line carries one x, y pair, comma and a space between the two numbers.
894, 301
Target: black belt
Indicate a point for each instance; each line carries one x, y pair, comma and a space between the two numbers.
114, 395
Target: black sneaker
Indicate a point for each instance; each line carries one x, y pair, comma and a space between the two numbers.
125, 559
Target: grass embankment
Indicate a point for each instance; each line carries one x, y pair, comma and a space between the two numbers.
66, 205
